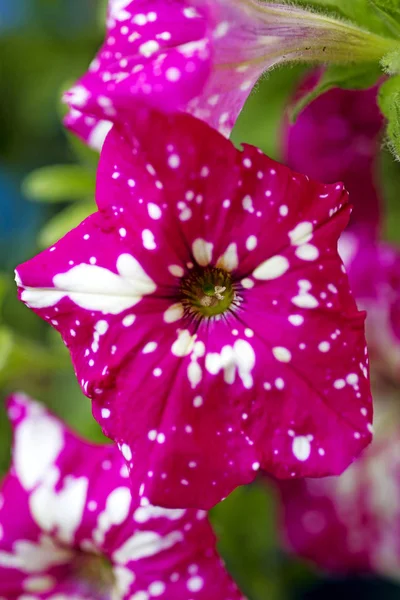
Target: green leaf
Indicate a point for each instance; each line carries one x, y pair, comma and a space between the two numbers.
22, 357
348, 78
389, 102
63, 222
3, 288
391, 62
389, 13
358, 11
389, 177
59, 183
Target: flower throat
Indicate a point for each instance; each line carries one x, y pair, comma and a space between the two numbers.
207, 292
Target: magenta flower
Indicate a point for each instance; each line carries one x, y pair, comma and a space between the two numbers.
337, 138
374, 273
70, 529
350, 524
202, 57
208, 314
196, 56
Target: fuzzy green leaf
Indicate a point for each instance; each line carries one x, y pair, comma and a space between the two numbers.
389, 102
59, 183
391, 62
358, 11
63, 222
389, 13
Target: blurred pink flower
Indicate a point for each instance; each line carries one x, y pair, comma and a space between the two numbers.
208, 314
69, 527
373, 268
350, 524
337, 138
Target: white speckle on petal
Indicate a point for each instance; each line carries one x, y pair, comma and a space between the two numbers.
150, 347
301, 234
148, 240
128, 320
296, 320
324, 346
282, 354
176, 270
202, 252
173, 313
307, 252
183, 346
154, 211
339, 384
251, 243
301, 448
229, 260
272, 268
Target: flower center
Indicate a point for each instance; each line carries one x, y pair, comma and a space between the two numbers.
207, 292
96, 574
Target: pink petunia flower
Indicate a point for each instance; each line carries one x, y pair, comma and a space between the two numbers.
199, 56
350, 524
208, 314
70, 528
373, 268
337, 138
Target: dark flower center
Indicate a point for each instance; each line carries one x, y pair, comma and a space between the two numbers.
207, 292
96, 574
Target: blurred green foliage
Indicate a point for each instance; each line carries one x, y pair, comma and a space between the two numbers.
56, 173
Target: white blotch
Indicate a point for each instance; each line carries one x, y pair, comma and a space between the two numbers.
173, 313
197, 401
154, 211
301, 448
176, 270
174, 161
149, 48
352, 379
96, 288
283, 210
324, 347
173, 74
282, 354
251, 243
247, 283
184, 344
126, 452
150, 347
144, 544
307, 252
128, 320
148, 240
296, 320
301, 234
339, 384
272, 268
247, 204
202, 252
39, 440
195, 584
238, 358
229, 260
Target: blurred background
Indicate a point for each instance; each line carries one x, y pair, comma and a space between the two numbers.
46, 187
